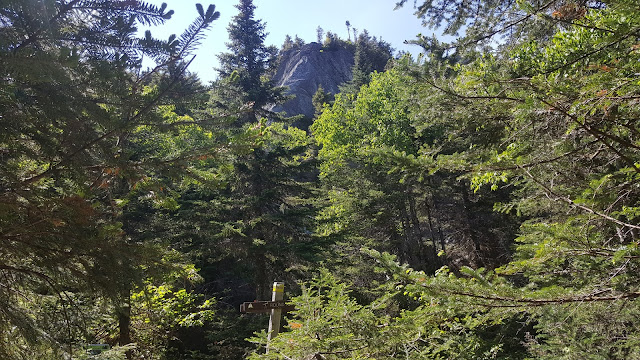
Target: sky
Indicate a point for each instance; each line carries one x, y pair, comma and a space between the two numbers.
295, 17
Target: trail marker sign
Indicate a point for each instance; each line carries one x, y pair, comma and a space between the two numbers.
275, 307
265, 306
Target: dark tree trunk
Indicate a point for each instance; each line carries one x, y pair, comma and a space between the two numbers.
429, 259
431, 203
469, 224
124, 321
412, 248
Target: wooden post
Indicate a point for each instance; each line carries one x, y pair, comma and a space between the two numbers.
276, 314
276, 306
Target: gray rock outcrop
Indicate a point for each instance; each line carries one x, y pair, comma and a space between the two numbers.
306, 68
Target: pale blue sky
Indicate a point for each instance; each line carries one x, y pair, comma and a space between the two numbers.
296, 17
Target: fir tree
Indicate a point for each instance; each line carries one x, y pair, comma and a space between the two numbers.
288, 43
245, 68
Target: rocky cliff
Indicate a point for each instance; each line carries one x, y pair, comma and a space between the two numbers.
306, 68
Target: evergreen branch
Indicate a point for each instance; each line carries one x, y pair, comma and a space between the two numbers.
244, 110
113, 44
29, 244
539, 162
599, 252
27, 271
497, 31
34, 37
193, 34
629, 125
345, 350
51, 283
528, 165
574, 204
21, 227
516, 303
598, 134
147, 14
113, 132
573, 23
149, 74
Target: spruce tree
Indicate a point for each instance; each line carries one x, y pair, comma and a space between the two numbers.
245, 68
262, 212
319, 99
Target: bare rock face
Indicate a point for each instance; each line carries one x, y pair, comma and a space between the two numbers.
304, 69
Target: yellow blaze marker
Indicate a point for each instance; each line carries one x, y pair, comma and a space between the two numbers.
278, 287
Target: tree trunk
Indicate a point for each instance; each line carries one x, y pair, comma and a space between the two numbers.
260, 277
429, 261
466, 204
431, 203
432, 231
412, 247
124, 321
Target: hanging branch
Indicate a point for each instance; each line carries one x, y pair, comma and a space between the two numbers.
574, 204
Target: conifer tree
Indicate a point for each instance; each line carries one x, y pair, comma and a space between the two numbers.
319, 99
245, 69
287, 44
370, 55
263, 201
255, 228
319, 34
73, 98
